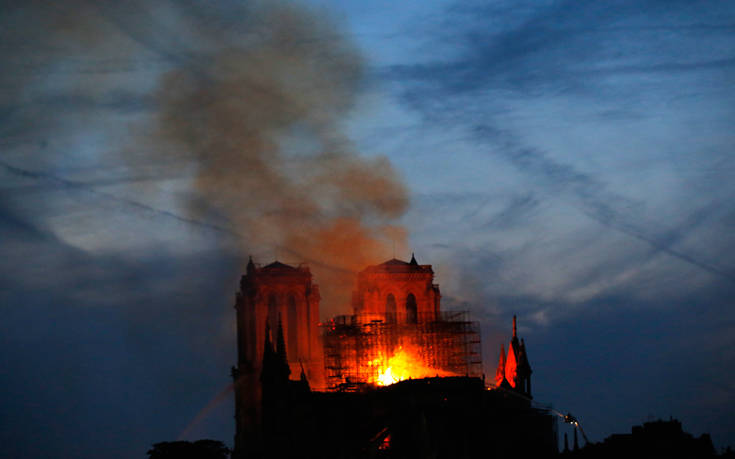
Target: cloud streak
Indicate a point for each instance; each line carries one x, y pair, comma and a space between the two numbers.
575, 51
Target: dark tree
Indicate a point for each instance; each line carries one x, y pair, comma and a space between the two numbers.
200, 449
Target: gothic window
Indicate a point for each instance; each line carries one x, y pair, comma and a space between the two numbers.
390, 308
411, 313
292, 325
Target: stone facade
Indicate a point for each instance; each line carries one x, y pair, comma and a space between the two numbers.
397, 291
279, 297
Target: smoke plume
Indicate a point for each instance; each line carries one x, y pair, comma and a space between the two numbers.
258, 120
243, 103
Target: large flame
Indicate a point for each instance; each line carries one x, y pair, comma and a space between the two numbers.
405, 363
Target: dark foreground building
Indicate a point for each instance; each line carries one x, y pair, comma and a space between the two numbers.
355, 412
445, 417
650, 440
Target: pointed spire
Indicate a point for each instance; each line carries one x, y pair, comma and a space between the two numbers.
302, 378
523, 363
251, 266
280, 340
268, 343
500, 372
281, 349
514, 326
413, 260
576, 443
524, 370
268, 354
511, 364
566, 443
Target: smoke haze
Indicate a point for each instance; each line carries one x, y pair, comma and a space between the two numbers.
248, 115
261, 127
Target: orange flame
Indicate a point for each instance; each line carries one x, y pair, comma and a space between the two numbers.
404, 364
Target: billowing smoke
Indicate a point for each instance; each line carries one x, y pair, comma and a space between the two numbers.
259, 120
246, 104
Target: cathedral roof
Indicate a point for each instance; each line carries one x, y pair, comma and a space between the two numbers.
277, 265
280, 269
394, 262
395, 265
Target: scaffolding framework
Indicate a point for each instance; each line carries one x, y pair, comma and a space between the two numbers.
355, 346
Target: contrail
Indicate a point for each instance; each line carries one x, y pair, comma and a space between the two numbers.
136, 204
159, 212
534, 162
630, 231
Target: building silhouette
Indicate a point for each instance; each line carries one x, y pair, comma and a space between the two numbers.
514, 371
650, 440
285, 297
397, 378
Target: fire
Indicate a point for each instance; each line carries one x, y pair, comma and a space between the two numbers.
404, 364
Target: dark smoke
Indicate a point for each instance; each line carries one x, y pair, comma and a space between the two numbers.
261, 126
245, 102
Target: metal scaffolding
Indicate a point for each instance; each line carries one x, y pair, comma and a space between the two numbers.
354, 346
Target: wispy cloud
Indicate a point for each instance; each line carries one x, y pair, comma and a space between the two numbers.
577, 54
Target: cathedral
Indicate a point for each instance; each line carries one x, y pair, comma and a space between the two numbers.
398, 377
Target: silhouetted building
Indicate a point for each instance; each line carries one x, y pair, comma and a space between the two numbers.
403, 378
514, 371
650, 440
273, 294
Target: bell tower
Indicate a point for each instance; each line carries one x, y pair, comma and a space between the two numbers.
397, 292
273, 294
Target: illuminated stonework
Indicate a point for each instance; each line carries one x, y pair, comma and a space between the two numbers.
398, 331
283, 298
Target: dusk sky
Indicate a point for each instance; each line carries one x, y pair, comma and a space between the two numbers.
567, 162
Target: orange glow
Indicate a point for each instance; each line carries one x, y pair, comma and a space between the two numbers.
370, 350
404, 364
385, 445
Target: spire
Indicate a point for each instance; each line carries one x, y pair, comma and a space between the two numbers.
514, 326
413, 260
523, 363
500, 372
566, 443
524, 370
268, 343
302, 378
576, 443
511, 365
281, 349
268, 354
251, 266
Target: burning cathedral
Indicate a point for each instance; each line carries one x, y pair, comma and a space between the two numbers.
398, 377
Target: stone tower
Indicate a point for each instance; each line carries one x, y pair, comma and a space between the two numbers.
273, 295
397, 291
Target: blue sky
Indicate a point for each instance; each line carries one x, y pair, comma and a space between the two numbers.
567, 162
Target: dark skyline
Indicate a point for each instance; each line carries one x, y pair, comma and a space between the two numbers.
568, 163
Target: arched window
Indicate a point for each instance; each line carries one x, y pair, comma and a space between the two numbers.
411, 313
390, 308
292, 344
